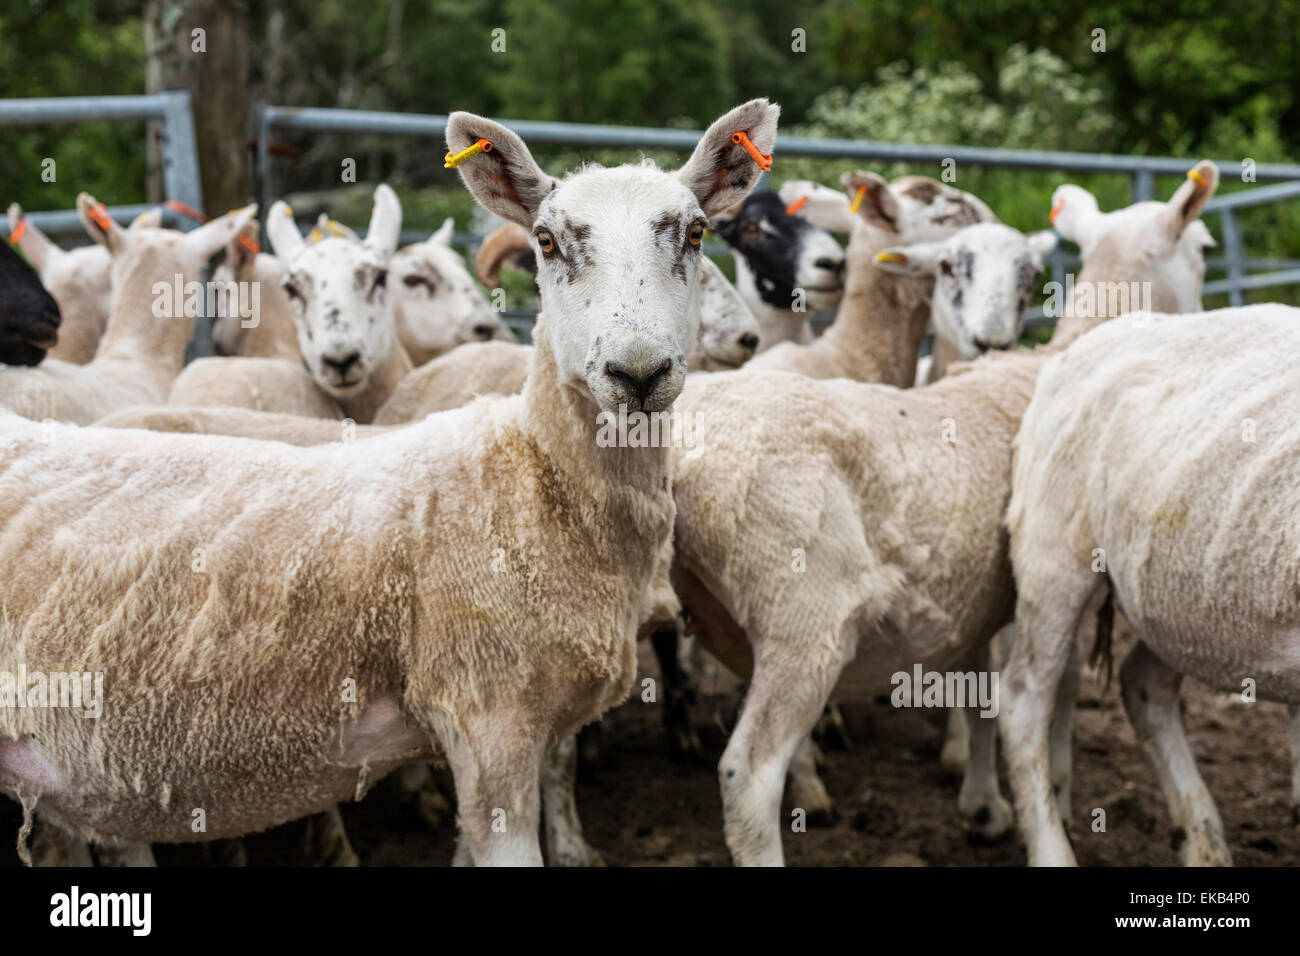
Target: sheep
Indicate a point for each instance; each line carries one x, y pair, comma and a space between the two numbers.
346, 335
785, 265
143, 347
79, 279
29, 315
468, 587
435, 302
1173, 439
823, 522
271, 333
863, 343
728, 336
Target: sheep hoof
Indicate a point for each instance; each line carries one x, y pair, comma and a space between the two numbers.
830, 731
577, 854
990, 823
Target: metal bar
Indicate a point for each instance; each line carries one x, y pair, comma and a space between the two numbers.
1232, 252
1254, 197
1144, 186
585, 134
44, 111
180, 153
1266, 280
263, 159
66, 221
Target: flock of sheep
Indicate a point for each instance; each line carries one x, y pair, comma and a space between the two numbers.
375, 532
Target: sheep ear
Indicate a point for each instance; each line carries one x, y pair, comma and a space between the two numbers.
204, 241
149, 219
1042, 243
1074, 213
878, 204
721, 172
444, 232
286, 240
35, 245
820, 205
1187, 202
319, 231
99, 225
385, 223
241, 251
506, 179
919, 259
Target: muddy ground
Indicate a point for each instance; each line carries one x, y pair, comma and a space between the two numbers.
641, 808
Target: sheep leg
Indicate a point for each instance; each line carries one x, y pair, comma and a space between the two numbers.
987, 814
1048, 610
1293, 732
785, 697
565, 844
327, 840
1061, 739
496, 769
683, 742
125, 854
1150, 691
53, 846
807, 790
956, 745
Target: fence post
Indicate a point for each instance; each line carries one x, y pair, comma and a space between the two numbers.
263, 123
1232, 252
1144, 185
180, 154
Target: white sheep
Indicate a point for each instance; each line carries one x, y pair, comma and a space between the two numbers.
343, 313
270, 333
827, 522
284, 626
79, 279
143, 347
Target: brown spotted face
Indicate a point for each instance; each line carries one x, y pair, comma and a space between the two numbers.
984, 279
618, 256
339, 293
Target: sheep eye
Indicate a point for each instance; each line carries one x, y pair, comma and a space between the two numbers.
751, 230
545, 242
946, 268
292, 291
413, 281
381, 280
696, 235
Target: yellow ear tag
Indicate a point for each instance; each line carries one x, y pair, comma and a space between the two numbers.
334, 227
288, 210
890, 257
857, 200
1196, 177
451, 162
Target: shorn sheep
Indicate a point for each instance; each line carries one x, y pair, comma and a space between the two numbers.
29, 316
143, 346
79, 279
1169, 445
269, 334
468, 587
811, 553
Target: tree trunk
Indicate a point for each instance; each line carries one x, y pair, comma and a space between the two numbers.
213, 66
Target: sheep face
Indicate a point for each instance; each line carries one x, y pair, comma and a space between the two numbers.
435, 301
1162, 241
338, 289
617, 250
911, 209
338, 292
777, 253
984, 277
29, 316
728, 330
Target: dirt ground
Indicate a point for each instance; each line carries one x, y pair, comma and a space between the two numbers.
640, 808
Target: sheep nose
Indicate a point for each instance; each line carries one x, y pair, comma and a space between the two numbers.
749, 341
640, 379
981, 344
342, 363
830, 265
484, 331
